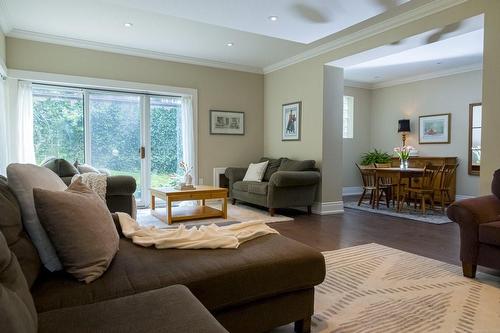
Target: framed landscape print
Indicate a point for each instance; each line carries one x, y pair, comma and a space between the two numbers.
434, 128
227, 122
291, 120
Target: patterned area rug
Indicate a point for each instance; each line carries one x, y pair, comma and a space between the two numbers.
373, 288
236, 214
434, 217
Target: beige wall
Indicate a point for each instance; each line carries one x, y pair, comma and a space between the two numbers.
449, 94
490, 157
303, 81
360, 143
217, 89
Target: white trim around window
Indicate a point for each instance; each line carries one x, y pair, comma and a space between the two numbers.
115, 85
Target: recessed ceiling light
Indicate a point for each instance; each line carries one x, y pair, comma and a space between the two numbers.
273, 18
230, 44
128, 25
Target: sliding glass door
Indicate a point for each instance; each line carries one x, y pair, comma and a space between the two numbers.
115, 132
166, 140
140, 135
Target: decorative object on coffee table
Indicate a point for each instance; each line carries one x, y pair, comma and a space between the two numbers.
227, 122
188, 179
434, 128
291, 119
183, 213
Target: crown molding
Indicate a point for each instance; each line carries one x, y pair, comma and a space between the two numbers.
355, 84
81, 43
370, 31
429, 76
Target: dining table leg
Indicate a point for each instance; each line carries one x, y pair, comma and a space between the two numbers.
398, 187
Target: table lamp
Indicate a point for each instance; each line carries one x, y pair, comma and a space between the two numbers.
404, 129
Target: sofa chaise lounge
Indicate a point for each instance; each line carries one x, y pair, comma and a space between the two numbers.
265, 283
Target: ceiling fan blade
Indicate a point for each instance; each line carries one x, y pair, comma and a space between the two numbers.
310, 13
438, 35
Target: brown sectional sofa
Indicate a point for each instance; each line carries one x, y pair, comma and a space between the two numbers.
265, 283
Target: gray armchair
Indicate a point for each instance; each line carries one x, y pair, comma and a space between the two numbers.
286, 183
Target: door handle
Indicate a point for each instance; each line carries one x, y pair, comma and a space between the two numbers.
142, 152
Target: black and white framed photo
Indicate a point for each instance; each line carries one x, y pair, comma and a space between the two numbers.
227, 122
291, 120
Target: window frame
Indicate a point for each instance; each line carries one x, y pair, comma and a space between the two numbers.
350, 117
474, 170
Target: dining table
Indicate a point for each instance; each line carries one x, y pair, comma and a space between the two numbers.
396, 174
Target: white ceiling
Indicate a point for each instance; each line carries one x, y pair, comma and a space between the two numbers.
419, 56
197, 29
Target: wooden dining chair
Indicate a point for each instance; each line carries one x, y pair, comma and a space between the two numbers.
425, 190
370, 185
447, 173
388, 182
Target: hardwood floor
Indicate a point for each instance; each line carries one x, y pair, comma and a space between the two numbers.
353, 227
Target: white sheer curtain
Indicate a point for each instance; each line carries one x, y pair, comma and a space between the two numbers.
188, 135
4, 143
23, 143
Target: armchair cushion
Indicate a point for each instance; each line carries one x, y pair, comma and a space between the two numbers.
489, 233
293, 165
294, 178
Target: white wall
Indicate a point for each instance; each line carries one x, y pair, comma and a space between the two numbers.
360, 143
450, 94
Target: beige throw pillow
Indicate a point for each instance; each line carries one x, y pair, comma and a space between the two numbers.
22, 179
255, 172
81, 229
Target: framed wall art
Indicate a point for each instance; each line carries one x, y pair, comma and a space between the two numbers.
434, 128
227, 122
291, 121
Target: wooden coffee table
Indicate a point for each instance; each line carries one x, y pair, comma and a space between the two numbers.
202, 192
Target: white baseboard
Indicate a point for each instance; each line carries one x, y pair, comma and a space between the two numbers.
328, 208
463, 197
352, 190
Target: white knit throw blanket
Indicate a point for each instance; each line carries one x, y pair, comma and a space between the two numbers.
204, 237
96, 182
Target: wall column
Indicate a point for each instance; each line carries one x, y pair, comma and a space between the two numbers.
331, 174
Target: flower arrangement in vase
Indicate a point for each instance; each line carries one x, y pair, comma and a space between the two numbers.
404, 155
188, 179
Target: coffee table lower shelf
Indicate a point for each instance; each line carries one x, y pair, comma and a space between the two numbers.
189, 213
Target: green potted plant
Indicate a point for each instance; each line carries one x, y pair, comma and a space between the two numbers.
375, 156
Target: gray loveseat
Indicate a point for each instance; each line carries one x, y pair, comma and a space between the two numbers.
286, 183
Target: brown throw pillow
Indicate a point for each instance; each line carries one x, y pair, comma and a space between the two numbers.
81, 228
